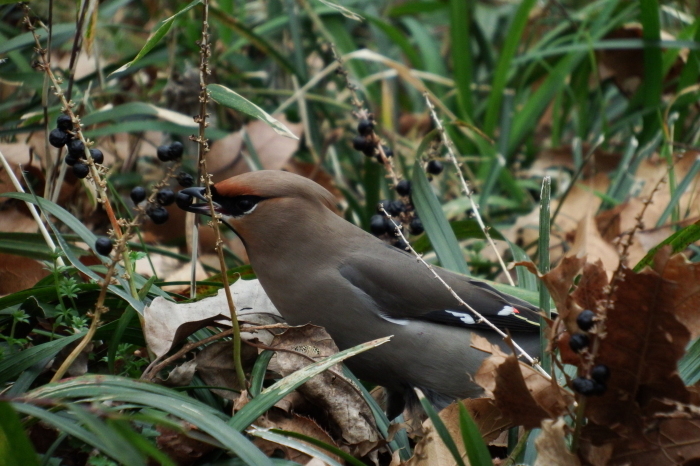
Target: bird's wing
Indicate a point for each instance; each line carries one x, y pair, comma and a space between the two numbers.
404, 289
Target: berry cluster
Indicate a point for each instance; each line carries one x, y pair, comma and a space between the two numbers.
367, 142
62, 135
402, 213
596, 384
164, 197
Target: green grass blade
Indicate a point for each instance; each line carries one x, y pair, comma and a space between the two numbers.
652, 83
12, 367
474, 444
257, 375
678, 241
679, 191
15, 446
543, 259
460, 24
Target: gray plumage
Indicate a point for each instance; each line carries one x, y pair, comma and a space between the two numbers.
318, 268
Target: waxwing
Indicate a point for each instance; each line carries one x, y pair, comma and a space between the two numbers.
318, 268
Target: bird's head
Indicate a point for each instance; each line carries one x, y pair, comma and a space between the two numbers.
256, 202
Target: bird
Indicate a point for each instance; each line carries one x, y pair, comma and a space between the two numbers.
318, 268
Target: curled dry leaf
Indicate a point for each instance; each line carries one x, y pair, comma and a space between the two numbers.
168, 322
522, 394
552, 449
334, 393
182, 374
182, 447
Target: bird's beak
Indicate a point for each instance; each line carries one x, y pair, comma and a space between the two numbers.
186, 201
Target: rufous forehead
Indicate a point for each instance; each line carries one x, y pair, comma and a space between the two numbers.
233, 187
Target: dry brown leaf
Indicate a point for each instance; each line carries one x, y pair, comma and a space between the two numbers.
181, 447
671, 441
337, 395
278, 419
182, 374
686, 300
552, 449
643, 345
590, 244
215, 366
167, 322
19, 273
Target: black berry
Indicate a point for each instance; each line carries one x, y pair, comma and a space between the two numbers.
163, 153
588, 387
384, 204
388, 152
359, 143
401, 244
585, 320
81, 170
58, 138
185, 179
76, 148
138, 194
165, 196
377, 225
183, 200
64, 123
97, 155
71, 159
365, 127
600, 373
103, 245
434, 167
158, 214
578, 341
416, 226
403, 188
176, 150
396, 207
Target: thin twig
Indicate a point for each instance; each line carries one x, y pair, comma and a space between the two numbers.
32, 210
480, 318
465, 187
203, 148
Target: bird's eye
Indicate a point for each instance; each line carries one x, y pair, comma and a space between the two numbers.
245, 204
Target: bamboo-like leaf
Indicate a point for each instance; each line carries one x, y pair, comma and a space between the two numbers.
231, 99
152, 41
436, 225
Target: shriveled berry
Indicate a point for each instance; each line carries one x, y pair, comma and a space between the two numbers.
138, 194
578, 341
377, 225
176, 150
103, 245
416, 226
365, 126
183, 200
163, 153
76, 148
81, 170
403, 188
600, 373
434, 167
158, 214
388, 151
585, 320
64, 123
97, 155
165, 196
58, 138
185, 180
